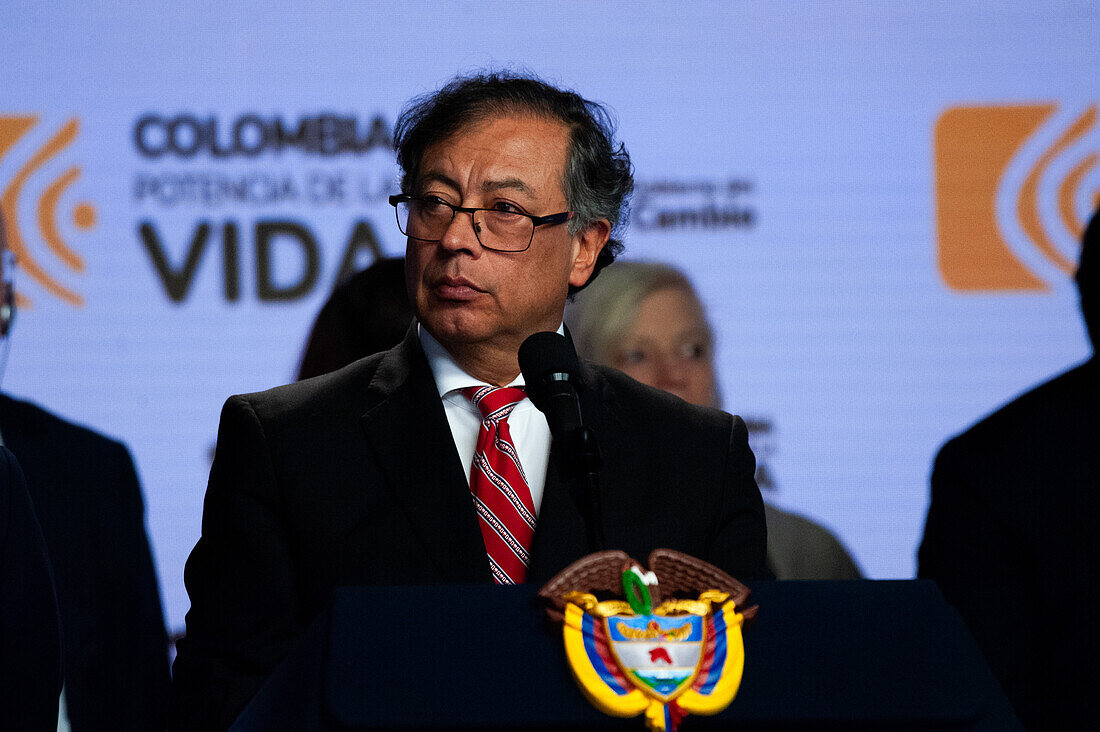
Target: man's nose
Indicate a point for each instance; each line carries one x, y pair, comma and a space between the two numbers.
461, 234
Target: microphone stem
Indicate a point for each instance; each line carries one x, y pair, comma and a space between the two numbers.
588, 463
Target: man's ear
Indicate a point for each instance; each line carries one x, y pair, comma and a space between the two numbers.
587, 245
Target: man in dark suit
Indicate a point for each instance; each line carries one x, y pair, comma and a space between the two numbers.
511, 191
1013, 534
88, 502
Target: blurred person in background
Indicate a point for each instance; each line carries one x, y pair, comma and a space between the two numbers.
87, 499
645, 319
368, 313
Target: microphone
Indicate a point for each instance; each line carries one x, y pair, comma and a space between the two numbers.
550, 371
549, 365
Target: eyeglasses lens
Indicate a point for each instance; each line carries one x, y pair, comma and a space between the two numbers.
500, 230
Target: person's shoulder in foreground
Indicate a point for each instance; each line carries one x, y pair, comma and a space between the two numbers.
89, 504
30, 633
1012, 535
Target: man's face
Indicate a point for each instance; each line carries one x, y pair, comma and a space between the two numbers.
479, 303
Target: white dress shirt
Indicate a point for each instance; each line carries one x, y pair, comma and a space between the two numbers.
527, 425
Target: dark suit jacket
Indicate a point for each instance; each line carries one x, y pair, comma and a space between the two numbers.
1013, 539
30, 628
89, 504
353, 478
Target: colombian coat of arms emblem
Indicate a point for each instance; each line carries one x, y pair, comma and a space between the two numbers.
649, 650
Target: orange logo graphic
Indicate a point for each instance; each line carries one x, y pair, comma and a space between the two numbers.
12, 129
1014, 185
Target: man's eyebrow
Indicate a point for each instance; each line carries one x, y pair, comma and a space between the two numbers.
512, 183
432, 176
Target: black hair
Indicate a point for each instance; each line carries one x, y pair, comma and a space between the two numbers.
598, 176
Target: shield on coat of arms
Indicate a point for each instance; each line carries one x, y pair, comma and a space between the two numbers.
661, 654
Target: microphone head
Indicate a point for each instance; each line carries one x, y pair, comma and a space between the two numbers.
547, 358
546, 353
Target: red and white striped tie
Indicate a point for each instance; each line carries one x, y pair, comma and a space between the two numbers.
501, 496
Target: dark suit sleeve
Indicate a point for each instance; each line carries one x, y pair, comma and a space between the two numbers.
740, 537
131, 627
967, 551
244, 615
30, 647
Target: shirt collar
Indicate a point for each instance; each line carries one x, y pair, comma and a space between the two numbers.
448, 375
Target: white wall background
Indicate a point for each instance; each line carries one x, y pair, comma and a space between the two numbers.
834, 322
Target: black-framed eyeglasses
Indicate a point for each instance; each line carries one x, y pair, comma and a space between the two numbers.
428, 218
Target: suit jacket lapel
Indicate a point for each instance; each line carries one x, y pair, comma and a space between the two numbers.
404, 411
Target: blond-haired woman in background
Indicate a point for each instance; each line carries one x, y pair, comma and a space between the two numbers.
645, 319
